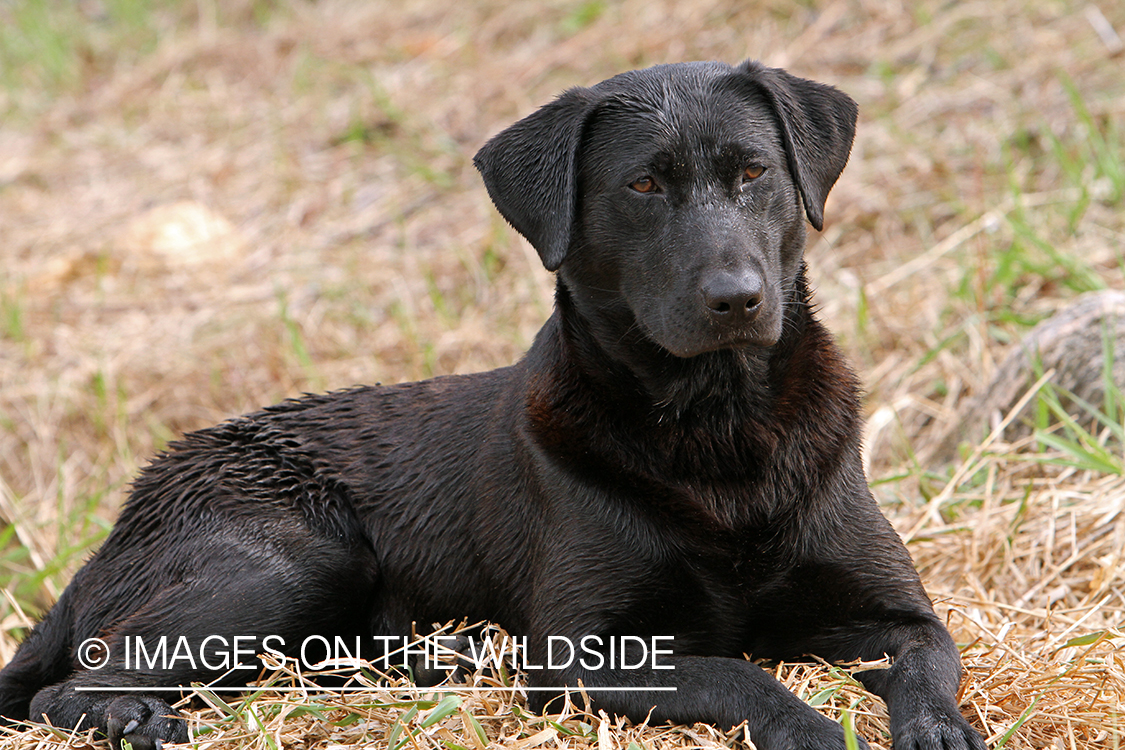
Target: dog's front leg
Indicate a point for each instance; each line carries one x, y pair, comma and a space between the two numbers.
715, 690
920, 687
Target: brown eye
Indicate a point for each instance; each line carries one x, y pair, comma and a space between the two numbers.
752, 172
644, 185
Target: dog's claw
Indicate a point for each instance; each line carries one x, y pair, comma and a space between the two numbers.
144, 722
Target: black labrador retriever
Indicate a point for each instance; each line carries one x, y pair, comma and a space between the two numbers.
678, 455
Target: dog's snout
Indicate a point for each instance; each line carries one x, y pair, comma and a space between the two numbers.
733, 298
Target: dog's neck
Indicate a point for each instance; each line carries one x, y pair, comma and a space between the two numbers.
737, 434
597, 392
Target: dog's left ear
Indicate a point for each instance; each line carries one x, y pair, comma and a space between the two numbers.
529, 170
817, 124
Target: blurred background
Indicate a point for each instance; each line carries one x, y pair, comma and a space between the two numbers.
206, 207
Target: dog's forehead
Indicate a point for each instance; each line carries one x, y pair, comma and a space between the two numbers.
672, 108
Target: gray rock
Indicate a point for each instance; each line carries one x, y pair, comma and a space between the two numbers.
1070, 342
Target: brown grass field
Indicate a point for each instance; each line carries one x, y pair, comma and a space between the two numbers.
207, 206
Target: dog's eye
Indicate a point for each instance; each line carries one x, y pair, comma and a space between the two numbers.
752, 172
645, 185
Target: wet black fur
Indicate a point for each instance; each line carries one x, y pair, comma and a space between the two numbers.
677, 454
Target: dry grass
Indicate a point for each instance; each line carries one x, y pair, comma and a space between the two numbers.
211, 206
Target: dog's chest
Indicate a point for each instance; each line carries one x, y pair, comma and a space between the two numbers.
707, 586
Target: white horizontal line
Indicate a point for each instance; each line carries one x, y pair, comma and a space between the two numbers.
319, 689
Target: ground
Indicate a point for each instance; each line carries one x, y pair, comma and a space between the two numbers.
207, 207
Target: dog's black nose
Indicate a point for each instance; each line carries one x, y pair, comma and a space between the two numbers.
733, 298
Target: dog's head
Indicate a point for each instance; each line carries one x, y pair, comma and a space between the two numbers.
671, 198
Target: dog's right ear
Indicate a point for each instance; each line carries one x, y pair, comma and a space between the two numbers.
529, 170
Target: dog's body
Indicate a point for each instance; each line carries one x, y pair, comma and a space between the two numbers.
677, 454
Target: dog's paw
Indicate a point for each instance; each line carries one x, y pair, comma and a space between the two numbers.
452, 660
938, 728
831, 735
145, 722
921, 720
817, 732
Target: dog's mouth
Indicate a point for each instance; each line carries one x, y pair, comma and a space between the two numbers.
687, 341
713, 311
